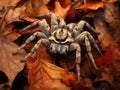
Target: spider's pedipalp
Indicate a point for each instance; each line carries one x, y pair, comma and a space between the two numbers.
31, 38
88, 49
61, 22
36, 46
44, 27
75, 46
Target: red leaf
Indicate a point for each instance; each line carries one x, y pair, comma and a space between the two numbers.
107, 58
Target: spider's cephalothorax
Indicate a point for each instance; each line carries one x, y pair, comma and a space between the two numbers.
61, 35
62, 38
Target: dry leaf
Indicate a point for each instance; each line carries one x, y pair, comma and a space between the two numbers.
8, 33
43, 54
107, 58
43, 75
49, 85
4, 3
62, 10
105, 38
14, 14
33, 8
10, 64
109, 1
43, 72
93, 5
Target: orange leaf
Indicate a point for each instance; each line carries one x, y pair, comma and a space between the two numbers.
14, 14
90, 5
33, 8
42, 53
107, 58
43, 75
62, 10
8, 3
109, 1
8, 33
43, 72
10, 64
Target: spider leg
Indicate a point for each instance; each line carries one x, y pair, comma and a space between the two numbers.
44, 26
80, 25
31, 38
93, 40
29, 26
88, 48
55, 22
87, 37
75, 46
36, 46
70, 26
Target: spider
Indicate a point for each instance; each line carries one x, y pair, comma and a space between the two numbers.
62, 38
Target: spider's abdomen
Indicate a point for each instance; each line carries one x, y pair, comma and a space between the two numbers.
58, 48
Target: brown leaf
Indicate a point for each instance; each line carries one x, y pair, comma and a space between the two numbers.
33, 8
91, 5
109, 1
105, 38
111, 16
14, 14
10, 64
62, 10
8, 32
107, 58
8, 3
44, 75
49, 85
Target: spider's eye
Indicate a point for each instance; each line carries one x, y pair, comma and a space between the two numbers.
47, 26
75, 28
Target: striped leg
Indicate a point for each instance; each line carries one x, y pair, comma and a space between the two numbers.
31, 38
92, 39
29, 26
80, 27
75, 46
88, 48
36, 46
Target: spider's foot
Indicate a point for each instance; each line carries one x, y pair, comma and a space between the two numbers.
22, 60
98, 33
14, 53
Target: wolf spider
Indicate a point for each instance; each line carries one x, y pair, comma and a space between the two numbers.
61, 38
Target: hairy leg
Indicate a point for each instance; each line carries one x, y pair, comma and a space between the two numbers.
30, 39
80, 27
75, 46
29, 26
87, 37
35, 48
90, 37
88, 49
81, 36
